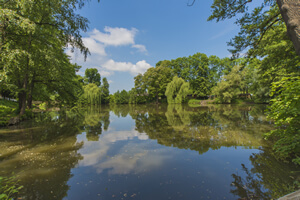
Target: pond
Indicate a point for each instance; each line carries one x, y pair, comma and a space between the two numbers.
146, 152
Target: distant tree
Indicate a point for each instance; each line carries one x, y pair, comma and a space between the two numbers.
140, 89
92, 76
92, 94
230, 86
124, 97
105, 91
177, 90
155, 81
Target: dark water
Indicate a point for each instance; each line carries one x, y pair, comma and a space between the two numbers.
146, 152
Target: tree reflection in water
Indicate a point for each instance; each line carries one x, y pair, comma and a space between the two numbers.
43, 152
269, 178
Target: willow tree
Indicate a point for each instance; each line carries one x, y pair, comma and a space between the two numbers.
177, 90
92, 94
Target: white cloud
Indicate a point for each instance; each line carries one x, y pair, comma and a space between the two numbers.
139, 67
94, 47
105, 73
115, 36
140, 47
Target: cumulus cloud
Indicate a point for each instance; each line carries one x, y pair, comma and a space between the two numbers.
94, 47
139, 67
101, 43
115, 36
105, 73
140, 47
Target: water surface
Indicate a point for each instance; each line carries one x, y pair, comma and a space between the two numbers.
146, 152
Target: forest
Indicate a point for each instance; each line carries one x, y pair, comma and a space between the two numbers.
264, 66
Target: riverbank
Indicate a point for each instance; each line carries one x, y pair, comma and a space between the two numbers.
9, 113
8, 110
212, 101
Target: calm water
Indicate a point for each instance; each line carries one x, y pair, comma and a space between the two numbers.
146, 152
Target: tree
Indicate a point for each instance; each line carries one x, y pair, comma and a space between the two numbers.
105, 91
140, 89
155, 81
92, 76
177, 90
29, 54
290, 13
195, 70
91, 95
230, 86
254, 25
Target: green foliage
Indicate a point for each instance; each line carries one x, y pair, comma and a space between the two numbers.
8, 187
195, 70
7, 111
230, 86
284, 110
105, 91
92, 76
34, 62
121, 97
177, 90
263, 33
155, 82
91, 95
43, 106
194, 101
254, 22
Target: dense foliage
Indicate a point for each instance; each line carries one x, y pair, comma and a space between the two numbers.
33, 62
263, 33
177, 90
93, 92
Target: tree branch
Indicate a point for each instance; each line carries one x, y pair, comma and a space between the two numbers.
267, 28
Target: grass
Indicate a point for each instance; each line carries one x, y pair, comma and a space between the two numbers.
8, 109
194, 101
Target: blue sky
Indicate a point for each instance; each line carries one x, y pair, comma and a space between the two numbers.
126, 37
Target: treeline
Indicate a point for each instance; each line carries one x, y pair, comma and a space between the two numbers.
199, 76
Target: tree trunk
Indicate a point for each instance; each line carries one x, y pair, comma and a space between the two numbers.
290, 11
29, 101
22, 99
23, 94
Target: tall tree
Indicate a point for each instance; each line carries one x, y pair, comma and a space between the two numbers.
105, 91
27, 50
155, 81
93, 76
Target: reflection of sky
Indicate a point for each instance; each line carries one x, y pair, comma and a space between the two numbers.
110, 152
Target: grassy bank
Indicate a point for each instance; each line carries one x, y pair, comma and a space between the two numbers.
8, 109
216, 101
